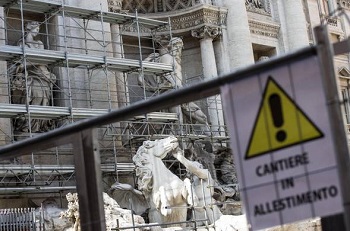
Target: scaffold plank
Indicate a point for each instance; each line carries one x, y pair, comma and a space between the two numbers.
11, 170
48, 112
61, 58
158, 116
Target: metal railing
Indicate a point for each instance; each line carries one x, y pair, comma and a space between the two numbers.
17, 219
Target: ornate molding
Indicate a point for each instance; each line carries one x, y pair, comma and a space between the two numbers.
264, 29
206, 32
198, 18
192, 19
155, 6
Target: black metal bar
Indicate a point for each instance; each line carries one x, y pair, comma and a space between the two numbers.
89, 181
166, 100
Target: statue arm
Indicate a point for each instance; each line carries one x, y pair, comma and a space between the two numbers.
201, 173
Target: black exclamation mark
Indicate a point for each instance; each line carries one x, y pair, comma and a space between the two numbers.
277, 116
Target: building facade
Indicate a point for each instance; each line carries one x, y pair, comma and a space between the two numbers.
63, 61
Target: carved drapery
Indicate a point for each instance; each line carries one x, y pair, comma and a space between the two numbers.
154, 6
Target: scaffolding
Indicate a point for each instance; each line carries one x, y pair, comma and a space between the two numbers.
96, 58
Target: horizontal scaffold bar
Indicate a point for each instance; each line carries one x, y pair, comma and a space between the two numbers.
62, 58
53, 112
166, 100
9, 170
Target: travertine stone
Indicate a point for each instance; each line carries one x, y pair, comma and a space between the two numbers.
296, 27
206, 36
239, 42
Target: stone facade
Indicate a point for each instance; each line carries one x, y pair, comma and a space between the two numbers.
219, 36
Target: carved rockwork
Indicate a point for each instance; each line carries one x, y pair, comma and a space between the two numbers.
206, 32
264, 29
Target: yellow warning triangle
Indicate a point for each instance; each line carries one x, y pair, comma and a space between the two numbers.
280, 123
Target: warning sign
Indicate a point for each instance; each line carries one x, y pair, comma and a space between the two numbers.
277, 123
282, 143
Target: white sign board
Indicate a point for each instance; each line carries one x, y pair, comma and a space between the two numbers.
282, 145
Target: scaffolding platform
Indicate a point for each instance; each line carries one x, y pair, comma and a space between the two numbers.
157, 116
12, 170
47, 112
66, 59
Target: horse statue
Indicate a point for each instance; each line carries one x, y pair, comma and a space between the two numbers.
168, 196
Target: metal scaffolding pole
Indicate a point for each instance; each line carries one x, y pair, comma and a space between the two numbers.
171, 98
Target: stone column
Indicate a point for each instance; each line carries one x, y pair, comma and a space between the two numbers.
221, 55
116, 6
206, 36
239, 42
296, 27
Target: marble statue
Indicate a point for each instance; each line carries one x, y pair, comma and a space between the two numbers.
38, 79
171, 54
203, 185
193, 113
167, 195
129, 197
168, 54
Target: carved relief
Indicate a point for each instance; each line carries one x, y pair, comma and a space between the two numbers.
115, 5
213, 17
151, 6
258, 6
197, 18
264, 29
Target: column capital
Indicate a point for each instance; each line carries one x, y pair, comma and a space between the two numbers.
206, 32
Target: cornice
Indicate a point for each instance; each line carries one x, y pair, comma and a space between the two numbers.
191, 19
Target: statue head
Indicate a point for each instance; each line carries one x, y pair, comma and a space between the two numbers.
176, 44
160, 148
33, 27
